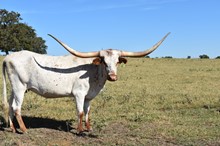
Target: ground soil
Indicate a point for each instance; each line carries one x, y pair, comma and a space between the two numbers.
49, 132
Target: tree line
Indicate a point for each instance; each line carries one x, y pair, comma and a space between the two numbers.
16, 36
204, 56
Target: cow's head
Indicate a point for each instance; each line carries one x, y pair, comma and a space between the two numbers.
110, 58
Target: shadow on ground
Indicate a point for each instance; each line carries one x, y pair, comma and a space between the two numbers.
38, 122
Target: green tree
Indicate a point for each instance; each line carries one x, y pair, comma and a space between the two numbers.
204, 56
16, 36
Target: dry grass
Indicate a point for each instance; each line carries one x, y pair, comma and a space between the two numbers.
154, 102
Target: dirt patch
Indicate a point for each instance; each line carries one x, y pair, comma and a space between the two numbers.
50, 132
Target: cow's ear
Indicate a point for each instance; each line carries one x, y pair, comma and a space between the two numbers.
97, 61
122, 60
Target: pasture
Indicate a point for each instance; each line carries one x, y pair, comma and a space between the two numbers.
154, 102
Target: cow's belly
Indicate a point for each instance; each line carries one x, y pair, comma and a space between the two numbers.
53, 92
51, 87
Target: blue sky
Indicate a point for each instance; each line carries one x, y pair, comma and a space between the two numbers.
131, 25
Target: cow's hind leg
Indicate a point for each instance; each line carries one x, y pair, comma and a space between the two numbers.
11, 113
16, 102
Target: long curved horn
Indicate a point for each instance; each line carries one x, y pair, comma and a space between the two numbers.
76, 53
144, 53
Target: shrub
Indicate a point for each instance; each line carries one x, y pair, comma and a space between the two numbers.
147, 56
168, 57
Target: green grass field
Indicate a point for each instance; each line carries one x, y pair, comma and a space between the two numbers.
154, 102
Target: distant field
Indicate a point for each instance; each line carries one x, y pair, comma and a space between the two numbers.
154, 102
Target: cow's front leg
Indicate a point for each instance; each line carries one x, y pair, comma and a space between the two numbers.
80, 120
87, 111
79, 106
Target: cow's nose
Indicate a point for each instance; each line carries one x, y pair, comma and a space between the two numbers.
112, 77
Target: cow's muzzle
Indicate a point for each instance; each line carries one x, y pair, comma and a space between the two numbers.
112, 77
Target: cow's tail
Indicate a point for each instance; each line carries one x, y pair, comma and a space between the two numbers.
5, 104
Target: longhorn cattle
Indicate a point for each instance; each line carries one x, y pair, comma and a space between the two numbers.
80, 75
